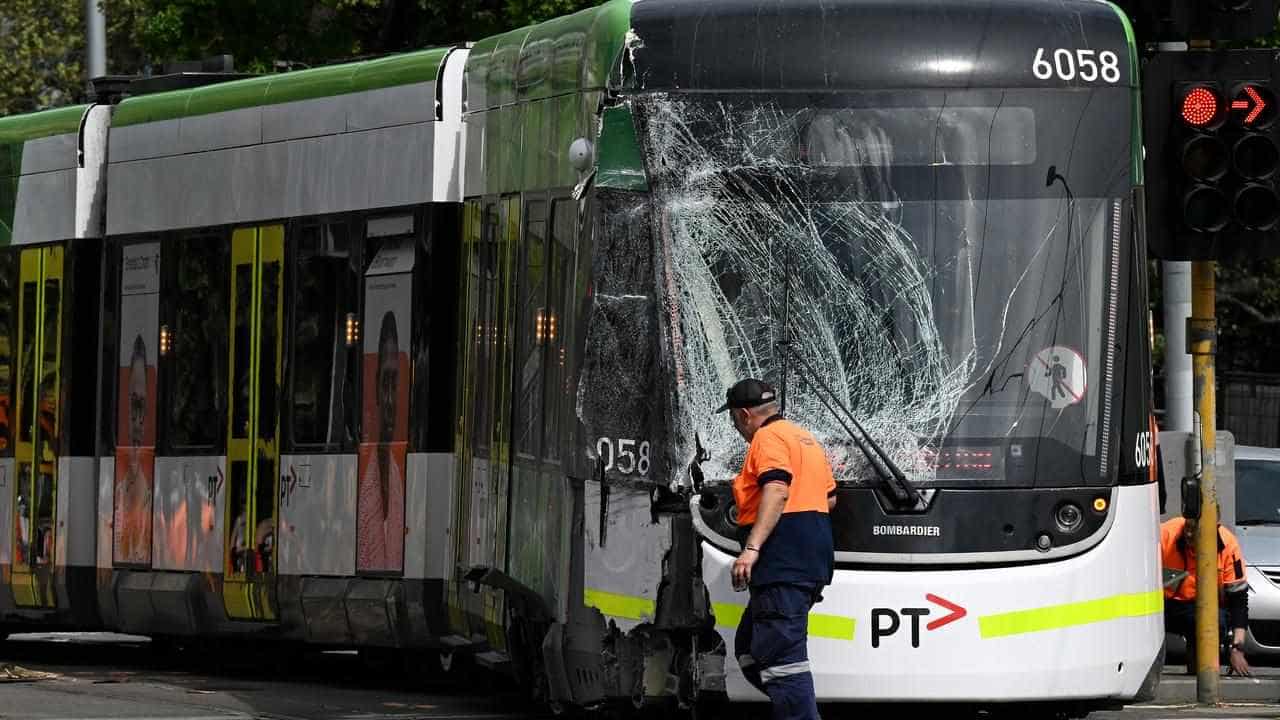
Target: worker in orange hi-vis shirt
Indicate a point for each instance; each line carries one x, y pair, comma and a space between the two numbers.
783, 494
1178, 560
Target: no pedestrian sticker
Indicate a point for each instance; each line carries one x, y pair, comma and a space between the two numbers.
1059, 374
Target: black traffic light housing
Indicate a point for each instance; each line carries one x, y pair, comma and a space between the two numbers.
1212, 170
1219, 20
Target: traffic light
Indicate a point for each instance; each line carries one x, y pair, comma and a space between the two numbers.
1220, 20
1212, 137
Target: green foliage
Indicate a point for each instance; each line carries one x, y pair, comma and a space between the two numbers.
41, 54
308, 32
42, 46
1248, 310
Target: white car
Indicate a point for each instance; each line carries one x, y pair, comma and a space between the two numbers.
1257, 526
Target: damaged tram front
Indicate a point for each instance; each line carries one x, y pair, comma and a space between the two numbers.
928, 241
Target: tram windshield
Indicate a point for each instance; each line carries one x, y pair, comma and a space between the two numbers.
943, 264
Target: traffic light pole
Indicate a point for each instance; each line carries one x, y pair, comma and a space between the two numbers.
1201, 344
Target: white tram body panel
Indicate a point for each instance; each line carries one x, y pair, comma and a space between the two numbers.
318, 515
1085, 627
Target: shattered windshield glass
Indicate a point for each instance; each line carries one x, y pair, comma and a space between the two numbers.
940, 264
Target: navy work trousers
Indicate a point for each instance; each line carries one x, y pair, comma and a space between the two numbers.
1180, 619
772, 647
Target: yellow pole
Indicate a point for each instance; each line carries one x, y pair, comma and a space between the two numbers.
1201, 342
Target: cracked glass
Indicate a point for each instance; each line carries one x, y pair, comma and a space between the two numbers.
941, 265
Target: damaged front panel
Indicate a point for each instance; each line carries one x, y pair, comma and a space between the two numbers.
616, 387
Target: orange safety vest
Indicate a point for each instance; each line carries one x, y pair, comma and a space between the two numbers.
1177, 554
782, 445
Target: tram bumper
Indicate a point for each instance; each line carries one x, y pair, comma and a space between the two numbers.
1088, 627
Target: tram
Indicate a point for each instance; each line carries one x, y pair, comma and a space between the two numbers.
420, 354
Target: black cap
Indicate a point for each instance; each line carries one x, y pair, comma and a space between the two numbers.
748, 394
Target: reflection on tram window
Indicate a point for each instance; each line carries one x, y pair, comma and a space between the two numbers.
49, 373
325, 327
241, 346
533, 329
559, 297
197, 294
268, 350
26, 362
484, 258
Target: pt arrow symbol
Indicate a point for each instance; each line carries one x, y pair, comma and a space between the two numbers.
956, 613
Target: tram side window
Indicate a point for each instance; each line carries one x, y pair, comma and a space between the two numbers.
196, 300
8, 325
431, 313
325, 346
109, 320
486, 335
533, 329
559, 326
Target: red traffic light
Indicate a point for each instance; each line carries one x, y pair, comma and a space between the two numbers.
1254, 105
1200, 106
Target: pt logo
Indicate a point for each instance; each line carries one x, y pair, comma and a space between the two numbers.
887, 621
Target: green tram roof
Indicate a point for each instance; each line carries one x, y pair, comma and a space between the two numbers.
557, 57
16, 130
328, 81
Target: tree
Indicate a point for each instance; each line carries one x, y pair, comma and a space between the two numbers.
41, 54
42, 47
309, 32
1248, 309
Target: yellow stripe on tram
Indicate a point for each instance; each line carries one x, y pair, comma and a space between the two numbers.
1070, 614
728, 615
615, 605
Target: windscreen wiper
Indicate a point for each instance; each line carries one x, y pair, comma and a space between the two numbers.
905, 494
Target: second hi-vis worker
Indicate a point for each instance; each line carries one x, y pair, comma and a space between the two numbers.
783, 496
1178, 561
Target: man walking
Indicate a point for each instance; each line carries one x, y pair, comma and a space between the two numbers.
783, 496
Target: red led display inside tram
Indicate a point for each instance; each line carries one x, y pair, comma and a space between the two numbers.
956, 462
1199, 107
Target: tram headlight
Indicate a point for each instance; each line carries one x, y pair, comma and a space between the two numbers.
1069, 517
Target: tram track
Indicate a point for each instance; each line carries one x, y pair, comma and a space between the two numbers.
95, 679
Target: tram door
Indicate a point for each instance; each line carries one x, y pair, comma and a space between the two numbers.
36, 449
257, 266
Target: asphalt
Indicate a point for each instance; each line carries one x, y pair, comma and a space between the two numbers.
99, 675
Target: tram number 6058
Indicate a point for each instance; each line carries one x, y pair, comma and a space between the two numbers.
1142, 449
1089, 65
624, 455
